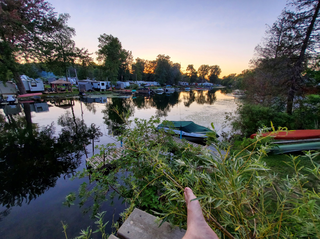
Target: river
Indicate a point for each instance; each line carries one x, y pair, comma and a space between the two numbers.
41, 151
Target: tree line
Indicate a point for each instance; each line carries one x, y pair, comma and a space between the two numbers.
34, 38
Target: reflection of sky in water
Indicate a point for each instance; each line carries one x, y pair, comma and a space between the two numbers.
41, 218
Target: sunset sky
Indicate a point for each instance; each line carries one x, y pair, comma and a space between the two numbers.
213, 32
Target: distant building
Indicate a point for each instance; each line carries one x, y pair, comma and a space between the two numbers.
85, 85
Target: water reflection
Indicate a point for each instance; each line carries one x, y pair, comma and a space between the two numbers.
116, 112
118, 109
32, 158
45, 156
200, 97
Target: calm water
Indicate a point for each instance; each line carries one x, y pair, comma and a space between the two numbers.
36, 163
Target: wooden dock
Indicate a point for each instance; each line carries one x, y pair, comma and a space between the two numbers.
99, 160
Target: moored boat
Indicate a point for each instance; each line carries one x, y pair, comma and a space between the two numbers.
143, 91
169, 89
187, 130
11, 99
293, 140
295, 147
158, 91
239, 94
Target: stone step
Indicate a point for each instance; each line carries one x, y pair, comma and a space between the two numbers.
142, 225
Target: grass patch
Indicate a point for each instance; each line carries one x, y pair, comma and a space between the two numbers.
280, 164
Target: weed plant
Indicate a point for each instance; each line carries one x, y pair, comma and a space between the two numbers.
239, 194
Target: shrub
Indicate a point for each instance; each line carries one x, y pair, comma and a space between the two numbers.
240, 196
252, 117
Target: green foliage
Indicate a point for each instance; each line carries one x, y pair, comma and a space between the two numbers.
252, 117
135, 87
308, 114
112, 55
251, 144
86, 234
240, 196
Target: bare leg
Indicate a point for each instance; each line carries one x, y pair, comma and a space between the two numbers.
197, 227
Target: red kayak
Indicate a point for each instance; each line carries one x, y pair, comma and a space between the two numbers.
293, 134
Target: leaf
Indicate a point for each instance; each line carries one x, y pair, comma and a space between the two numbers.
229, 213
311, 204
198, 198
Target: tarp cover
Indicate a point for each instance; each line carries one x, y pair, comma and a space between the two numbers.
186, 126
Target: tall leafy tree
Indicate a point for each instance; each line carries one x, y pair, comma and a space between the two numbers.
213, 74
138, 69
163, 68
292, 41
176, 75
149, 70
60, 50
23, 23
192, 73
203, 71
112, 55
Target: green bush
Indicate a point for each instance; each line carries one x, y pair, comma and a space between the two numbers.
308, 114
252, 117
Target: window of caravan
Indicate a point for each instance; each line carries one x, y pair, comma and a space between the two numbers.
33, 84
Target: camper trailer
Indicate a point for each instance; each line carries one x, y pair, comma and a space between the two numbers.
99, 85
85, 85
122, 84
32, 85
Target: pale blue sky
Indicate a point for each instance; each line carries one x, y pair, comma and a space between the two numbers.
214, 32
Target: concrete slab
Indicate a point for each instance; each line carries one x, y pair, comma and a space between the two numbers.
142, 225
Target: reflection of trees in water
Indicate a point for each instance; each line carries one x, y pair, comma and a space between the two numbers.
211, 97
90, 107
189, 98
116, 112
32, 158
142, 102
164, 102
201, 97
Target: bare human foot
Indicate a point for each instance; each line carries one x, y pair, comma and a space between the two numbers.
197, 227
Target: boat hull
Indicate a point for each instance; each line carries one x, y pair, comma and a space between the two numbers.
169, 90
292, 134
